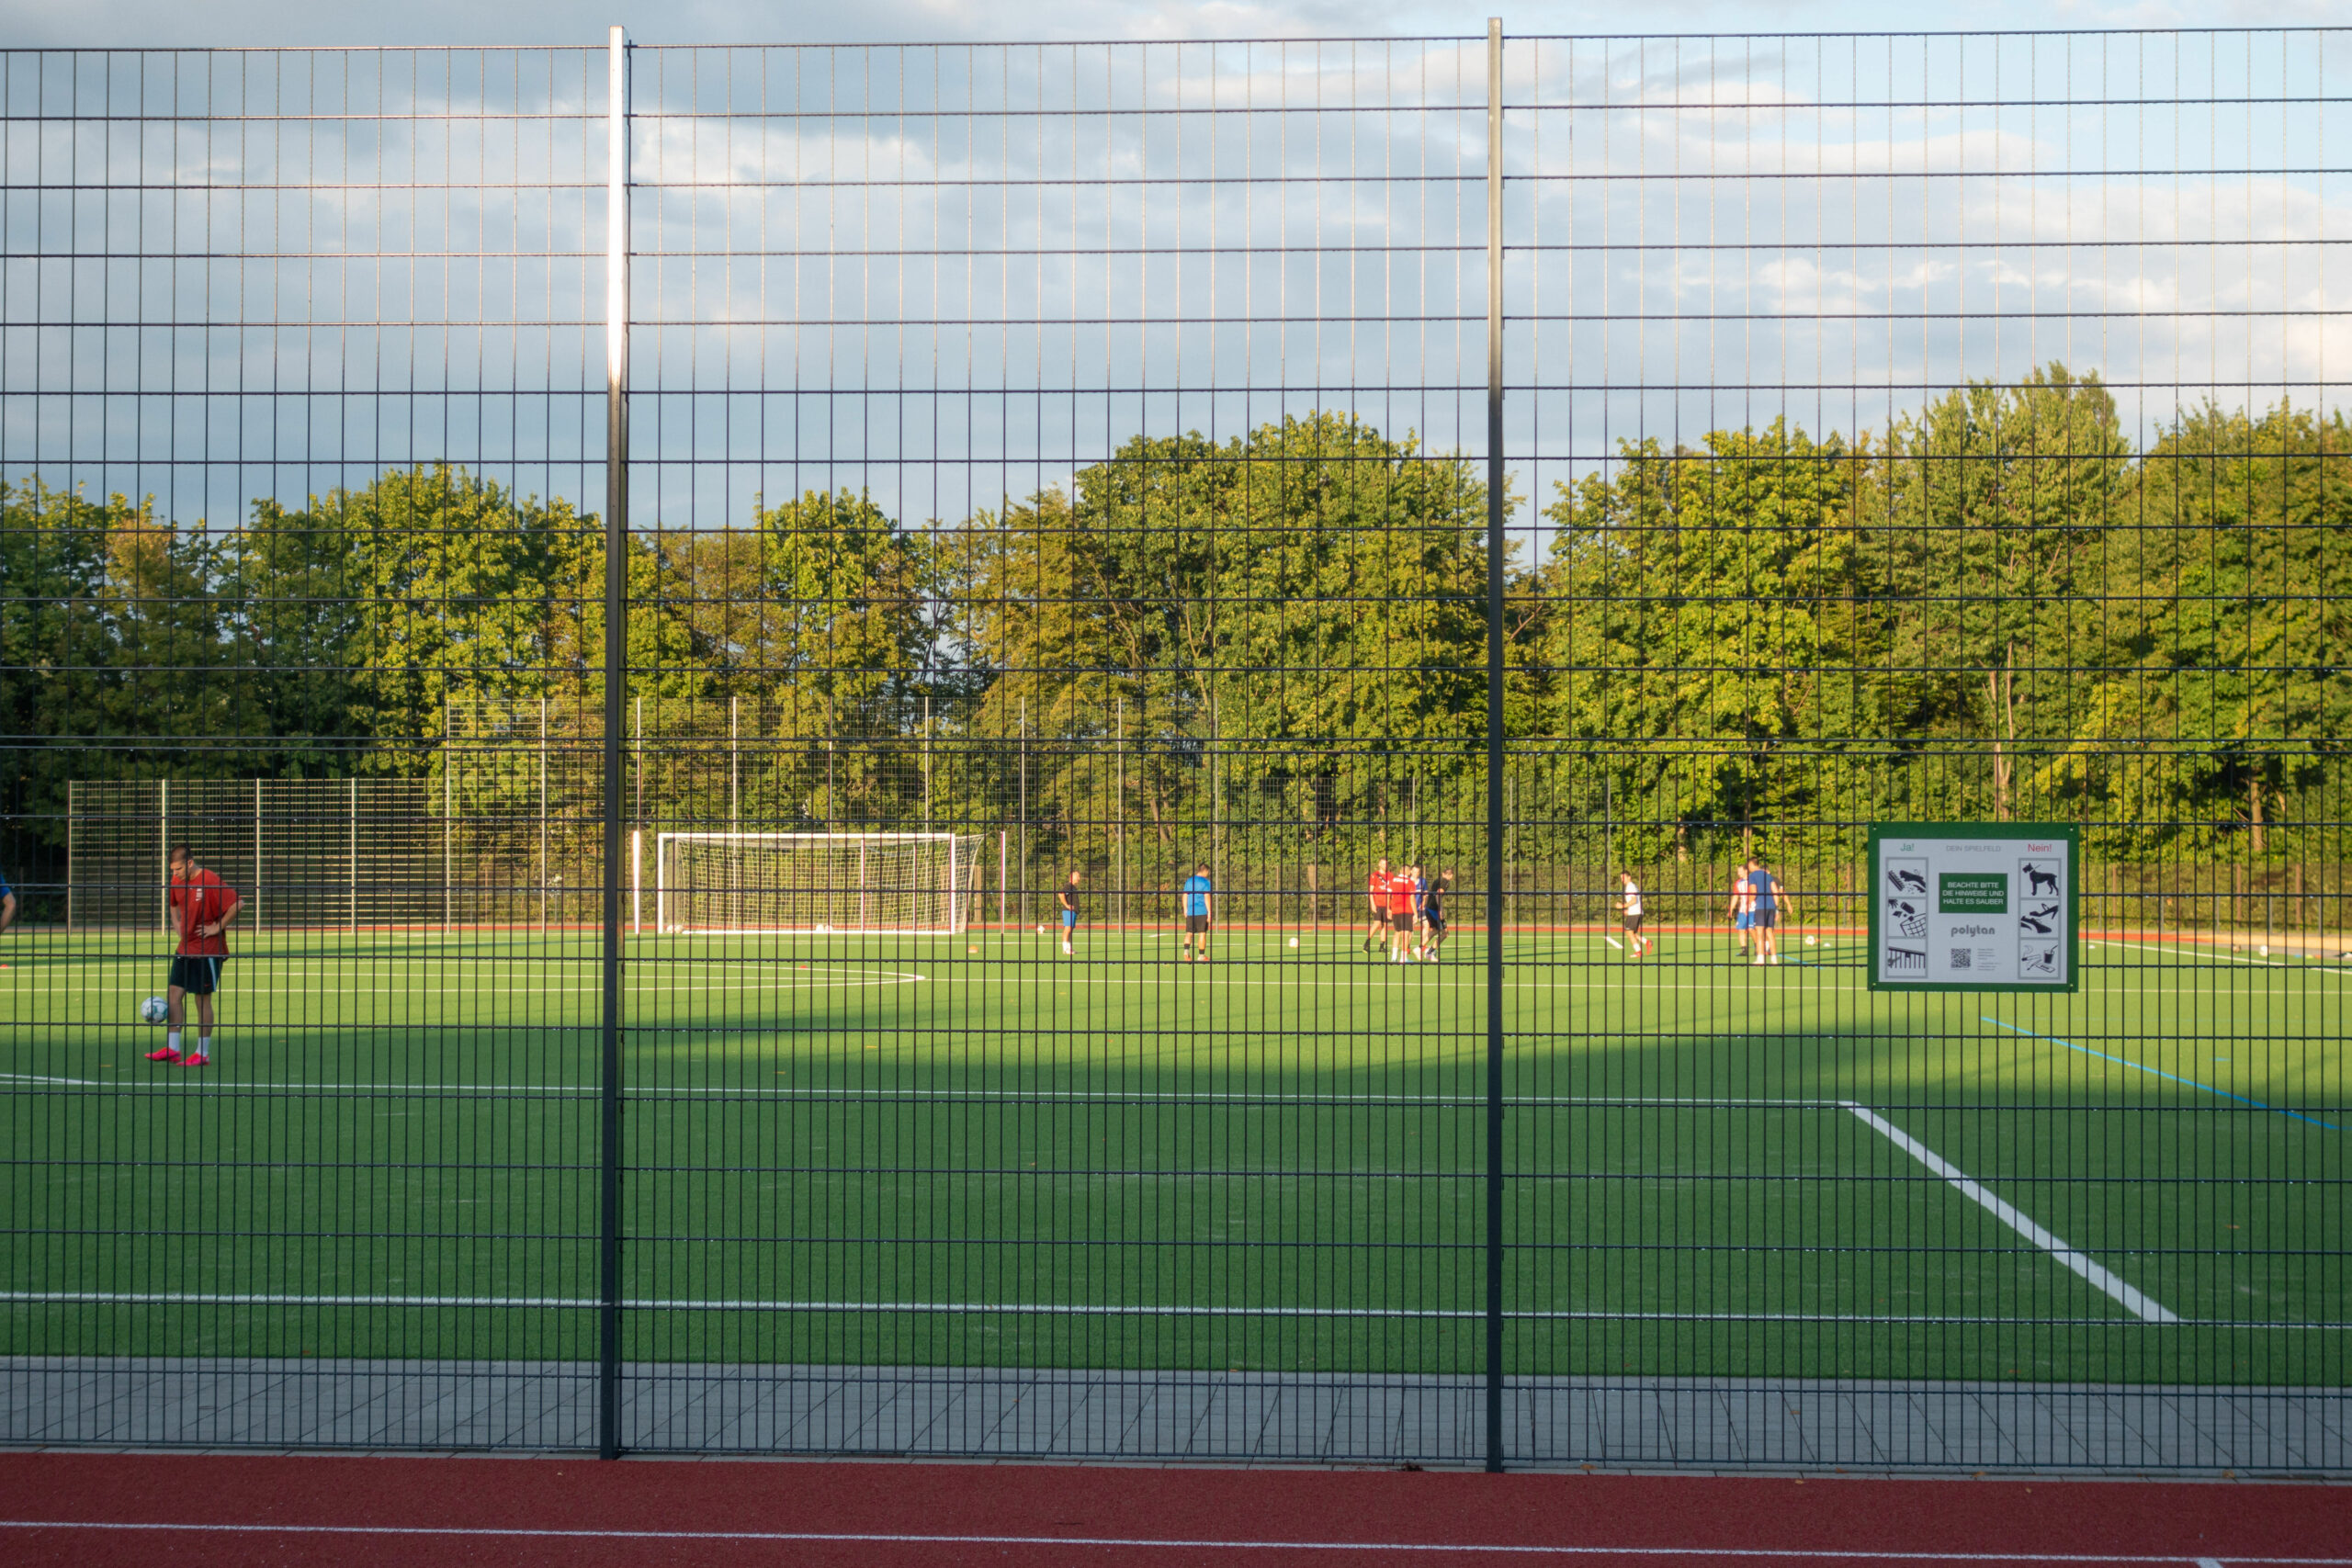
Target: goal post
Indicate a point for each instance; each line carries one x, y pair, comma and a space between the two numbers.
848, 883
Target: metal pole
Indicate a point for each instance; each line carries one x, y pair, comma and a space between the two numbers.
734, 764
448, 831
1494, 743
1021, 904
608, 1325
354, 854
257, 902
543, 814
1119, 816
69, 854
164, 848
926, 765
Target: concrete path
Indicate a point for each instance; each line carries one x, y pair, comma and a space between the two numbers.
1702, 1423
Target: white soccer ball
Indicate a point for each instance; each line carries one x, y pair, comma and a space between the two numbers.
1294, 941
153, 1010
1041, 930
1813, 941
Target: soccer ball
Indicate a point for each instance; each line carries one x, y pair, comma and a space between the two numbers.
153, 1010
1813, 941
1294, 941
1041, 930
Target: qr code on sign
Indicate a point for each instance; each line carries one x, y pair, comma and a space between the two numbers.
1960, 956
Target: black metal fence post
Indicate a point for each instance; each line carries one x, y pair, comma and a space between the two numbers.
1495, 553
608, 1336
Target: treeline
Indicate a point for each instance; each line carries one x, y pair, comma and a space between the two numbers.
1994, 609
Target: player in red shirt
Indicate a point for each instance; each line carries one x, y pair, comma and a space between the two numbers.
1375, 891
1403, 923
202, 905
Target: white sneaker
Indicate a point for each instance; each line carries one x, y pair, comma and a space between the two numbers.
1758, 959
1066, 951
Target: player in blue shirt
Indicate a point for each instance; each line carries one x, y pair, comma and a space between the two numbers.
1771, 901
1200, 911
8, 904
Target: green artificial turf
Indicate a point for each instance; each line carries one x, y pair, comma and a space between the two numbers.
973, 1151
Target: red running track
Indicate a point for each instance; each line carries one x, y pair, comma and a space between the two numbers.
164, 1508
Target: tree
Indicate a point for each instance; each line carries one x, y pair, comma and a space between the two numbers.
1695, 597
2226, 688
1998, 502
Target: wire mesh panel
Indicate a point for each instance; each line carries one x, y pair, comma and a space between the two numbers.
940, 884
1069, 448
1930, 431
294, 419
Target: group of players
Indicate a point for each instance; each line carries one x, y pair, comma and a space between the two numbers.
1408, 913
1759, 901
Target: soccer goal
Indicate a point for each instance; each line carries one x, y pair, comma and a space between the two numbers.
864, 884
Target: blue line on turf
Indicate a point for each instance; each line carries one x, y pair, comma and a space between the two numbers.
2124, 1061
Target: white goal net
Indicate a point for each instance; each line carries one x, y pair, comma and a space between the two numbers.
874, 883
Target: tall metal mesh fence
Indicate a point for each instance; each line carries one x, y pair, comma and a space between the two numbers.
1120, 459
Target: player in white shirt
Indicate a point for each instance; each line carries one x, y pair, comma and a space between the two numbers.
1743, 907
1635, 943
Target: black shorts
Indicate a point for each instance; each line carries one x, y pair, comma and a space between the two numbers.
1764, 920
1382, 918
197, 976
1436, 923
1633, 922
1196, 925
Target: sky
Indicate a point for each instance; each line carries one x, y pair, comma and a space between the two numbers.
1701, 237
137, 23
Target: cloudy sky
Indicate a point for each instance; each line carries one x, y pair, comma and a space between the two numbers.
1704, 236
174, 22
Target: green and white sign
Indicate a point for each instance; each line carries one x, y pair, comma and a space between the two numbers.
1973, 907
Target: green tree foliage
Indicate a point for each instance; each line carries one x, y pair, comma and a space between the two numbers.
1696, 615
2225, 689
1994, 608
1286, 625
1987, 564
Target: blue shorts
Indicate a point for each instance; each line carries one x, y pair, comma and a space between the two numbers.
1743, 923
1764, 920
1070, 917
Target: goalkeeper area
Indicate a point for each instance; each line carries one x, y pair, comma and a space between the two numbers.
858, 884
966, 1150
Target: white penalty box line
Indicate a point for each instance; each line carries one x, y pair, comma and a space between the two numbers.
2097, 1275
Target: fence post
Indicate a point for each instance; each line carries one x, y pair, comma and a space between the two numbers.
354, 854
608, 1327
69, 854
257, 902
1494, 743
448, 809
543, 814
163, 846
1022, 816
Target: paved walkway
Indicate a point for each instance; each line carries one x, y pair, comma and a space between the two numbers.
1706, 1423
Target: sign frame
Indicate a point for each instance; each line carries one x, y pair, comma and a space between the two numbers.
1979, 832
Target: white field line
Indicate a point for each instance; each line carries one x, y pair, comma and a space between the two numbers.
2210, 957
177, 1084
2099, 1278
36, 1078
1163, 1543
1036, 1309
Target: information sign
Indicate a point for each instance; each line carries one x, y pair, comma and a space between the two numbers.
1973, 907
